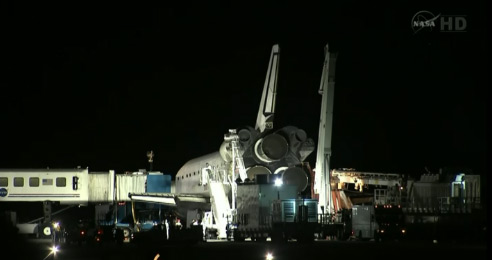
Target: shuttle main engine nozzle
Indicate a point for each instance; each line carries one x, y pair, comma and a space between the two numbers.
271, 148
295, 176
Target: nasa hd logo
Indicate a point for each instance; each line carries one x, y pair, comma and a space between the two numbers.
427, 21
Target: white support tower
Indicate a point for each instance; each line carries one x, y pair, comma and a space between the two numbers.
322, 177
219, 200
237, 155
237, 162
221, 209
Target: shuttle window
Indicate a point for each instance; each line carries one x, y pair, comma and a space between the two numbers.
18, 182
61, 182
194, 173
4, 182
34, 182
47, 181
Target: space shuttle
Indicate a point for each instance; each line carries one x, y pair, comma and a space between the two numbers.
264, 153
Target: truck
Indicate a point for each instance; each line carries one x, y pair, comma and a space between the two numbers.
388, 206
275, 212
378, 223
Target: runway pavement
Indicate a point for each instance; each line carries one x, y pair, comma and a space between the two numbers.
340, 250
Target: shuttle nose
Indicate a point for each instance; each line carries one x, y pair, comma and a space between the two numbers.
271, 148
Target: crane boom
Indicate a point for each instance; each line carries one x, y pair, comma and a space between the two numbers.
327, 90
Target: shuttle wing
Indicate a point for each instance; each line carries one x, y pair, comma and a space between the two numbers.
168, 199
267, 104
161, 198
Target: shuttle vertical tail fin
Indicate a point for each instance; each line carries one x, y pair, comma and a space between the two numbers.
267, 105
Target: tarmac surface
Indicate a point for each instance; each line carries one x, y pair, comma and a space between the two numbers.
37, 249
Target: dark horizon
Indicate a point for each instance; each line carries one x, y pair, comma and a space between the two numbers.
98, 87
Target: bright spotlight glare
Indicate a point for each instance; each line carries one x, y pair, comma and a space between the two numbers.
269, 256
53, 251
278, 182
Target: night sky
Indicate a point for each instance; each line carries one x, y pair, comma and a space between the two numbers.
100, 85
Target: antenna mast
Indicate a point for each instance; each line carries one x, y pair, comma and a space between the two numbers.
150, 155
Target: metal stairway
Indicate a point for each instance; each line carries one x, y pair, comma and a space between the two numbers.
220, 206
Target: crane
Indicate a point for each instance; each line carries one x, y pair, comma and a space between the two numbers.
322, 169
